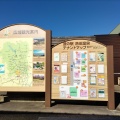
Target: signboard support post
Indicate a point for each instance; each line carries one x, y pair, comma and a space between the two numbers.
48, 70
110, 72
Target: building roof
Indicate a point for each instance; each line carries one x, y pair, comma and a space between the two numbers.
116, 30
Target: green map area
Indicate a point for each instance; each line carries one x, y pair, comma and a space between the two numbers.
16, 62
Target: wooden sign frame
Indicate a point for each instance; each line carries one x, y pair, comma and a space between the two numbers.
17, 32
57, 75
40, 40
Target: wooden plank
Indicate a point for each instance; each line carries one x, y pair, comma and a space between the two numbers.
48, 70
110, 72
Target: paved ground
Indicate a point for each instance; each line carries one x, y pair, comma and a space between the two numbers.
39, 107
41, 116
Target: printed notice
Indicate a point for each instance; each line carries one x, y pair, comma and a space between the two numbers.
63, 56
64, 80
101, 93
64, 68
100, 68
56, 57
92, 56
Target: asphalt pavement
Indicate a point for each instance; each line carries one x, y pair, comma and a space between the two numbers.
52, 116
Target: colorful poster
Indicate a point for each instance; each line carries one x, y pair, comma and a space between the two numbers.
38, 76
64, 80
93, 93
92, 56
38, 65
92, 68
63, 56
83, 93
83, 68
77, 61
101, 93
38, 53
101, 80
83, 55
73, 91
83, 62
93, 80
77, 54
84, 83
56, 68
38, 41
56, 80
76, 73
56, 57
100, 57
2, 68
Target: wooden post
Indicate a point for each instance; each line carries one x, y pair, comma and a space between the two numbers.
48, 70
110, 75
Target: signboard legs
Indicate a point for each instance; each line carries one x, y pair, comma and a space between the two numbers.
110, 71
48, 70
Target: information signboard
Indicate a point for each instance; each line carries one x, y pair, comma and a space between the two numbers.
22, 58
79, 71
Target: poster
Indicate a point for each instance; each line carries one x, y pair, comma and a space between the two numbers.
56, 68
77, 82
64, 68
83, 61
38, 76
101, 93
73, 91
101, 80
76, 73
92, 68
38, 53
100, 56
77, 61
62, 94
2, 68
93, 93
92, 80
64, 80
100, 68
38, 65
92, 56
56, 80
83, 68
83, 55
56, 57
83, 93
77, 54
63, 56
84, 84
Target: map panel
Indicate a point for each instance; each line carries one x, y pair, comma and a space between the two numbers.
16, 62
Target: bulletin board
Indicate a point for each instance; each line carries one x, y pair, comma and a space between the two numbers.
79, 71
23, 58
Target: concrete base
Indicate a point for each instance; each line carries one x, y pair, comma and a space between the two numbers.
58, 108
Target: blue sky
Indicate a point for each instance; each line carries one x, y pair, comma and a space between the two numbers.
63, 17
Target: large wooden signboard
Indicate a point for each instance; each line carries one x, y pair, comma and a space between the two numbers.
79, 71
23, 58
